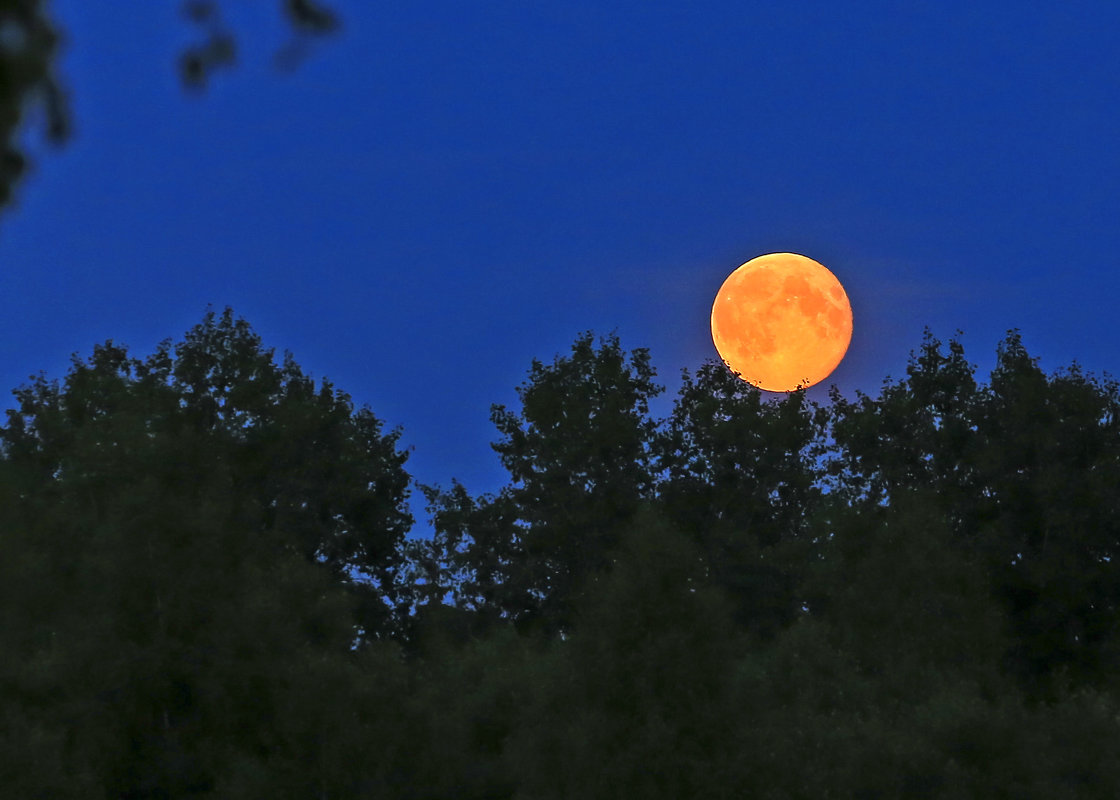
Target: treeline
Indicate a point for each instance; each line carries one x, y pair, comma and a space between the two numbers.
206, 589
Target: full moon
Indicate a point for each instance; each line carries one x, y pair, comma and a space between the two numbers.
782, 322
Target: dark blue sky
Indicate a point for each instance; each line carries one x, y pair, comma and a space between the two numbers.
445, 191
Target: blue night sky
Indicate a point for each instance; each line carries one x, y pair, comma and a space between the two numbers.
444, 191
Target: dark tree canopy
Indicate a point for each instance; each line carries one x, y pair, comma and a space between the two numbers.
180, 536
301, 461
1024, 469
580, 458
738, 477
206, 589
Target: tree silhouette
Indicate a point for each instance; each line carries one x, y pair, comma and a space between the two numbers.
205, 587
580, 458
1051, 470
738, 476
159, 639
325, 474
1024, 470
177, 583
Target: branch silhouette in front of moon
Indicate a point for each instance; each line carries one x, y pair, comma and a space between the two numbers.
782, 322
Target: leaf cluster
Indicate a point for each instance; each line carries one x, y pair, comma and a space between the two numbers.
30, 83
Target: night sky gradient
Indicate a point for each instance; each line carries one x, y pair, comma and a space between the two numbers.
444, 191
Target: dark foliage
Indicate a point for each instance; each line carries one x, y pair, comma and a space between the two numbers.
580, 459
29, 45
1025, 471
30, 86
904, 595
738, 477
179, 606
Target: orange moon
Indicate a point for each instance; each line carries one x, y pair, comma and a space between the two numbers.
782, 321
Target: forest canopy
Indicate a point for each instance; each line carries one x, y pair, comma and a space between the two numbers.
208, 589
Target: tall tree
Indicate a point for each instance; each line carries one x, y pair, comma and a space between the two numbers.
325, 473
304, 462
738, 476
1051, 473
918, 433
159, 641
580, 458
1023, 469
